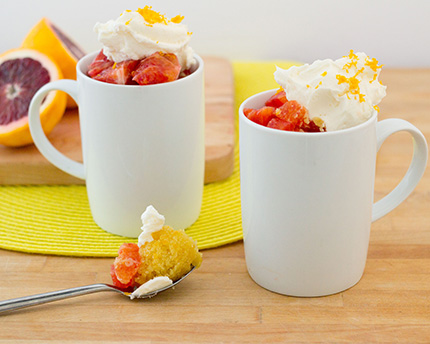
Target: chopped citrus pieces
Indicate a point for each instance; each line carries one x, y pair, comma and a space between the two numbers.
155, 69
102, 69
127, 264
280, 113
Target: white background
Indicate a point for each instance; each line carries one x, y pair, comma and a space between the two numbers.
396, 32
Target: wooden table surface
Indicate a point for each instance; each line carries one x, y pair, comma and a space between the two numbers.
219, 303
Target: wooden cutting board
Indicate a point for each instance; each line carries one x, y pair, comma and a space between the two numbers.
26, 165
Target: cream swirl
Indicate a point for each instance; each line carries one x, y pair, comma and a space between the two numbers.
138, 34
341, 93
152, 285
152, 222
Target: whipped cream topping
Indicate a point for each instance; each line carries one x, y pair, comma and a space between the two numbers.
341, 93
152, 222
138, 34
154, 284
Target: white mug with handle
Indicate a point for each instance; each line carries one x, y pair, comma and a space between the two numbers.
142, 145
307, 200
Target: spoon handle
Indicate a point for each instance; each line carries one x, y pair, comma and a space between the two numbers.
33, 300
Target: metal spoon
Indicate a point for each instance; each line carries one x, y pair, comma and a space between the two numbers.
34, 300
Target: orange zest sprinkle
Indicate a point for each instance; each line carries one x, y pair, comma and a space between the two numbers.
279, 90
318, 85
353, 61
152, 17
376, 108
125, 11
177, 19
114, 66
352, 56
128, 22
359, 71
324, 74
353, 83
373, 64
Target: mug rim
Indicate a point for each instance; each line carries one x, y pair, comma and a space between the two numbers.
260, 127
90, 56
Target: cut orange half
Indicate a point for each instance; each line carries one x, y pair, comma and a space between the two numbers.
22, 73
51, 41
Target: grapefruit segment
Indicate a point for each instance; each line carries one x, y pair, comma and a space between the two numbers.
51, 41
22, 73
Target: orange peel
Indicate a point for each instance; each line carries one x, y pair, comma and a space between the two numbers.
51, 41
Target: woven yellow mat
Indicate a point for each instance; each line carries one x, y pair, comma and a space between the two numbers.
57, 219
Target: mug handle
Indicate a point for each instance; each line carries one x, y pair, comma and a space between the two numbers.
416, 169
42, 143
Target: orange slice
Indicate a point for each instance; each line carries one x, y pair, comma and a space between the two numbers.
50, 40
22, 73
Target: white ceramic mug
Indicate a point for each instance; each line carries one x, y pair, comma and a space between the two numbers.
307, 201
141, 145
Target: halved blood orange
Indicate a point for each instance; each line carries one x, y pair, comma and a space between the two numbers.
22, 73
51, 41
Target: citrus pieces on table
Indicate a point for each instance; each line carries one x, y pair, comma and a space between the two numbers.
51, 41
22, 73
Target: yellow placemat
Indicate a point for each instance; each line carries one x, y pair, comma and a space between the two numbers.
57, 219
